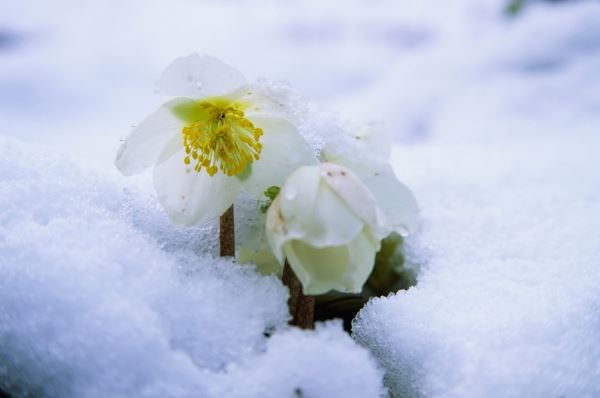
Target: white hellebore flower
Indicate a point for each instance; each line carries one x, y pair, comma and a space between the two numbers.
217, 137
328, 225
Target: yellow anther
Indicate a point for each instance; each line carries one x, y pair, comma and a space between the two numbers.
222, 139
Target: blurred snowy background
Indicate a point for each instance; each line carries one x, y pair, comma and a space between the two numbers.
496, 119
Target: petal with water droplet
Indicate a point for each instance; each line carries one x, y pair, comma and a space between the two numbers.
144, 144
198, 76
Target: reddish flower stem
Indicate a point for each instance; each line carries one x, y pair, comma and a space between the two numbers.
302, 308
227, 234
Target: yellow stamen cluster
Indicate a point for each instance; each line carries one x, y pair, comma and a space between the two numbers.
222, 139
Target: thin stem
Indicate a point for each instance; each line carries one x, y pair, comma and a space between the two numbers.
227, 234
302, 308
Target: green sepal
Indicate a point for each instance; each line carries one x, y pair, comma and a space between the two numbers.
389, 273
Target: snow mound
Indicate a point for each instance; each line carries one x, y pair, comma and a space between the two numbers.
101, 296
310, 364
508, 302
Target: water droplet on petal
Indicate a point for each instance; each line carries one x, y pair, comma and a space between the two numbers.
198, 84
290, 192
190, 78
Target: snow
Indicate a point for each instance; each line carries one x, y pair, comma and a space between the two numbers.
101, 296
508, 300
312, 365
496, 128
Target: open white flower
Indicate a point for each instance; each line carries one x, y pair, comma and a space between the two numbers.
217, 137
328, 226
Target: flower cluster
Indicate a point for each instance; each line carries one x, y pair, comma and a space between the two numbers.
326, 215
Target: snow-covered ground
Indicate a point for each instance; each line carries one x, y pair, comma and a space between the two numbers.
497, 126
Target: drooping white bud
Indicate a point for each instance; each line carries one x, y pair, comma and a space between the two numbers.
328, 225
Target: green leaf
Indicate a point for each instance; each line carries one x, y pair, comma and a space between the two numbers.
272, 192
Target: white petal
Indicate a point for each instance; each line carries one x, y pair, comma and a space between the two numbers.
284, 150
331, 222
276, 229
358, 146
374, 139
191, 197
145, 143
293, 207
265, 103
299, 194
282, 229
362, 260
250, 232
200, 76
356, 195
312, 211
319, 270
396, 200
344, 268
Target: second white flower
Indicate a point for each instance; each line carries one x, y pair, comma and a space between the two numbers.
327, 224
